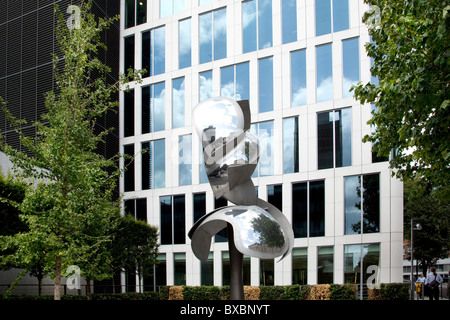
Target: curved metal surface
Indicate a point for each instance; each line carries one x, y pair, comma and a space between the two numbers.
256, 232
231, 154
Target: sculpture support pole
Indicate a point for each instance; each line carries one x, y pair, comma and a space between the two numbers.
236, 259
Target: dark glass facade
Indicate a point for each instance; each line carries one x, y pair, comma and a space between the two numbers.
27, 42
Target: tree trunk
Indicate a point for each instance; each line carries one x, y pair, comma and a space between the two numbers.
57, 288
40, 285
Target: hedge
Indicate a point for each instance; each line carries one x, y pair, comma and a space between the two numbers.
390, 291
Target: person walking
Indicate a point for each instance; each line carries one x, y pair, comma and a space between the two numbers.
433, 281
420, 284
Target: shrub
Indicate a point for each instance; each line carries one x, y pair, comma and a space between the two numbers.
176, 293
201, 293
296, 292
342, 291
320, 292
164, 293
252, 293
225, 293
390, 291
150, 295
271, 293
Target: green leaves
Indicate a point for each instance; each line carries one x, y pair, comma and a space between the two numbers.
411, 59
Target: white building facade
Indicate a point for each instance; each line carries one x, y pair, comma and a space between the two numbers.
295, 62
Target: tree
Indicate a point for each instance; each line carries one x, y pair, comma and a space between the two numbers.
410, 49
433, 241
12, 193
135, 247
70, 209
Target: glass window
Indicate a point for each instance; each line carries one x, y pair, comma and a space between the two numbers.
185, 160
205, 85
141, 11
249, 26
266, 272
179, 218
153, 51
129, 13
265, 77
153, 165
206, 271
202, 2
178, 103
350, 53
172, 210
160, 270
308, 213
290, 145
136, 208
352, 191
166, 219
289, 20
213, 35
257, 25
325, 21
357, 255
129, 54
275, 196
199, 205
324, 73
220, 33
169, 7
264, 24
128, 115
300, 266
323, 17
264, 132
340, 15
298, 78
179, 268
300, 209
184, 43
153, 108
234, 81
317, 208
135, 8
371, 203
325, 265
334, 134
128, 151
362, 204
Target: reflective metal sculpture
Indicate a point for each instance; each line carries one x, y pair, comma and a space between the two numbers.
231, 153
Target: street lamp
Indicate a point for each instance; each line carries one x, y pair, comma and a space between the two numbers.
416, 226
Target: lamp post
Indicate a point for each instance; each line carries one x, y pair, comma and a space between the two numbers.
418, 226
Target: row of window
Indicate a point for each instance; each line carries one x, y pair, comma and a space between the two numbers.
359, 260
235, 83
361, 209
257, 34
330, 16
334, 150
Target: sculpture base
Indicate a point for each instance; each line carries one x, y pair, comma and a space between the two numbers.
236, 260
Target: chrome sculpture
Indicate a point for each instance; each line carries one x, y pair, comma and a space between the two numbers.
231, 153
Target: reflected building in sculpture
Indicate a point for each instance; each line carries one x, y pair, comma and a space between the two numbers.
294, 61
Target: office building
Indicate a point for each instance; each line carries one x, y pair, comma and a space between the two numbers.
295, 61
